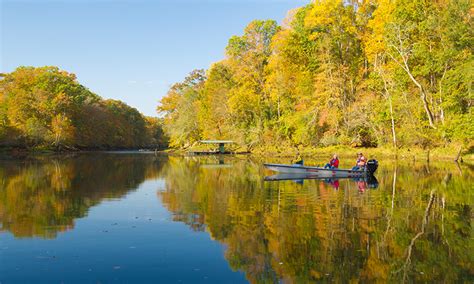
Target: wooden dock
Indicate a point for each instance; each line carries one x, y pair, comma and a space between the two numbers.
220, 151
202, 153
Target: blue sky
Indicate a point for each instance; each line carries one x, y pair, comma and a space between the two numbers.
127, 50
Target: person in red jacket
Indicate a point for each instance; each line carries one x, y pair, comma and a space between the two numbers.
333, 164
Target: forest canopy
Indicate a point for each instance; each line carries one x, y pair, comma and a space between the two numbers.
47, 107
360, 73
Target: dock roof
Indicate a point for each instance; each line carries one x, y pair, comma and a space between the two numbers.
216, 141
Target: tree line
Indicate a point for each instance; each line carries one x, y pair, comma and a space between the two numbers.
361, 73
47, 107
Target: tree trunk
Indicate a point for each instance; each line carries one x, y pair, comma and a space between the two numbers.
404, 56
394, 135
278, 107
423, 95
387, 95
458, 156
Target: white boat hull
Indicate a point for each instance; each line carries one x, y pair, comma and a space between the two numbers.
315, 171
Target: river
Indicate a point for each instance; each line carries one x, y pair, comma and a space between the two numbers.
134, 217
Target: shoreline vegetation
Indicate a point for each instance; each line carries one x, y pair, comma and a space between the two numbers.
338, 76
413, 154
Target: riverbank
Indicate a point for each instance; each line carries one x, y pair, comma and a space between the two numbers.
450, 153
445, 153
18, 152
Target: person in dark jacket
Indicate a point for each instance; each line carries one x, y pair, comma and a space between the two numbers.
298, 160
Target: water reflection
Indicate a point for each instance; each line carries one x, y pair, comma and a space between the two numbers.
415, 226
362, 182
42, 196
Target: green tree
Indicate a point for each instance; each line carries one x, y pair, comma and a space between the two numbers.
248, 57
180, 109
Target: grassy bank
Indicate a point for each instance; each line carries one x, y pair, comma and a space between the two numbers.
445, 153
380, 152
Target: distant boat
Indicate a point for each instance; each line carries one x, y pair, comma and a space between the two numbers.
319, 172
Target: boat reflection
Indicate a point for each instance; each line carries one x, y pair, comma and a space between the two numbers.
362, 182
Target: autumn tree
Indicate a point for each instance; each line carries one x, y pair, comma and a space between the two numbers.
47, 107
359, 73
180, 108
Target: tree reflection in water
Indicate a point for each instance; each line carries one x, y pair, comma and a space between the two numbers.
42, 196
414, 226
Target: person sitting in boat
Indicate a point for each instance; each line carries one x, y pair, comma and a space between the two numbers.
360, 163
333, 164
298, 160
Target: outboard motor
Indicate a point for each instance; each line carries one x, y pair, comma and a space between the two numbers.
372, 166
372, 182
299, 163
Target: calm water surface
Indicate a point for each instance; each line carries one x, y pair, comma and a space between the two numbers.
138, 218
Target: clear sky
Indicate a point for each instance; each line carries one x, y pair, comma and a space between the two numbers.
127, 50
